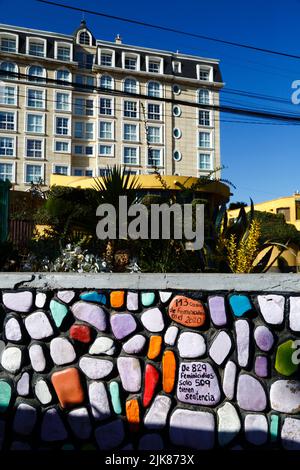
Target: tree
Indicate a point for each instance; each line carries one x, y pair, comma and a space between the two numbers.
237, 205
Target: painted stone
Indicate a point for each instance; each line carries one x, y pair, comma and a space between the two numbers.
168, 371
154, 349
79, 422
37, 358
220, 347
240, 305
117, 298
151, 442
156, 417
290, 434
242, 342
198, 384
191, 345
66, 296
115, 397
192, 429
261, 366
38, 326
272, 308
130, 373
58, 311
165, 296
256, 429
25, 419
264, 338
294, 315
284, 363
229, 380
132, 301
110, 435
151, 382
133, 414
18, 301
68, 387
40, 299
99, 401
23, 385
11, 359
152, 320
18, 445
217, 310
81, 333
13, 330
186, 311
171, 335
53, 428
42, 392
229, 424
90, 313
251, 395
95, 368
103, 345
274, 427
62, 351
122, 325
135, 344
93, 296
5, 395
285, 396
147, 298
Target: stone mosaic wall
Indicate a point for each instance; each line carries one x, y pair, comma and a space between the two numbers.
148, 370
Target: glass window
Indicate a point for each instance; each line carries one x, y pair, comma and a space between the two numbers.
176, 89
35, 99
204, 74
89, 150
84, 130
6, 171
7, 146
63, 101
78, 149
84, 107
177, 156
103, 171
203, 96
36, 73
204, 118
106, 150
7, 121
130, 132
106, 106
176, 67
8, 44
105, 130
64, 53
176, 133
106, 59
130, 109
176, 111
34, 148
60, 170
61, 126
33, 173
154, 157
63, 75
35, 123
154, 135
154, 111
154, 66
204, 161
36, 48
130, 155
89, 173
154, 89
61, 146
130, 85
286, 213
84, 38
78, 172
106, 82
8, 95
8, 70
204, 139
85, 61
130, 63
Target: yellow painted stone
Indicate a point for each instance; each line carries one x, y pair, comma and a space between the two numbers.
168, 371
154, 346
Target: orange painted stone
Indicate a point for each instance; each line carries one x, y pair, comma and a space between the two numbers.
68, 387
154, 346
168, 371
186, 311
133, 414
117, 298
151, 381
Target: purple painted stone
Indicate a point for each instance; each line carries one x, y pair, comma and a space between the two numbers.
250, 394
261, 366
122, 324
217, 310
198, 384
264, 338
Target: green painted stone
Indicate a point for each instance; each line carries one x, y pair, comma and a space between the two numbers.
58, 312
5, 395
68, 447
283, 362
274, 426
115, 397
148, 298
88, 447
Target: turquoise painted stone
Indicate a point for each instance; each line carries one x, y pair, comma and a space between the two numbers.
240, 305
274, 426
68, 447
5, 395
115, 397
148, 298
93, 296
58, 312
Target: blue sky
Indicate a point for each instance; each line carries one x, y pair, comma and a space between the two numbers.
261, 160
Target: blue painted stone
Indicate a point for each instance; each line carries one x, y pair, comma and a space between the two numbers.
240, 305
147, 298
93, 296
58, 312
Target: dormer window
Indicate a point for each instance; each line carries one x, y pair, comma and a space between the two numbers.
63, 51
130, 61
36, 47
154, 64
9, 42
84, 38
176, 67
204, 73
106, 58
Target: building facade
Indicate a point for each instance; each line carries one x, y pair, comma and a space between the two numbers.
72, 105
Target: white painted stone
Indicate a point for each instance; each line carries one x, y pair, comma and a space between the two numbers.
18, 301
90, 313
99, 401
156, 417
110, 435
229, 379
171, 335
13, 330
79, 422
25, 419
130, 373
256, 429
37, 357
165, 296
191, 345
151, 442
294, 313
66, 296
23, 385
40, 299
220, 347
62, 351
152, 320
42, 392
95, 368
272, 308
11, 359
242, 341
192, 429
19, 445
229, 424
38, 325
251, 395
53, 428
285, 396
132, 301
135, 344
103, 345
290, 434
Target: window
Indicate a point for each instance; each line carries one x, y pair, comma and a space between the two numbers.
176, 133
204, 73
106, 150
7, 146
86, 80
130, 62
130, 85
6, 172
82, 172
36, 73
83, 150
8, 43
34, 148
130, 132
63, 52
204, 161
286, 213
35, 99
62, 126
204, 139
85, 61
154, 89
63, 101
83, 107
176, 89
204, 118
106, 106
84, 130
130, 109
176, 67
177, 156
8, 95
106, 58
35, 123
154, 135
84, 38
33, 173
154, 111
154, 65
106, 82
61, 170
130, 156
105, 130
8, 70
62, 146
36, 47
103, 171
297, 210
176, 111
203, 96
63, 75
7, 121
154, 157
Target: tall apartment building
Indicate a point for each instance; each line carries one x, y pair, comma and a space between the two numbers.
71, 105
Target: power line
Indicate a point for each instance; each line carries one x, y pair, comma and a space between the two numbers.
172, 30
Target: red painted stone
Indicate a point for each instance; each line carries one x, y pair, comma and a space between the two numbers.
81, 333
151, 381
